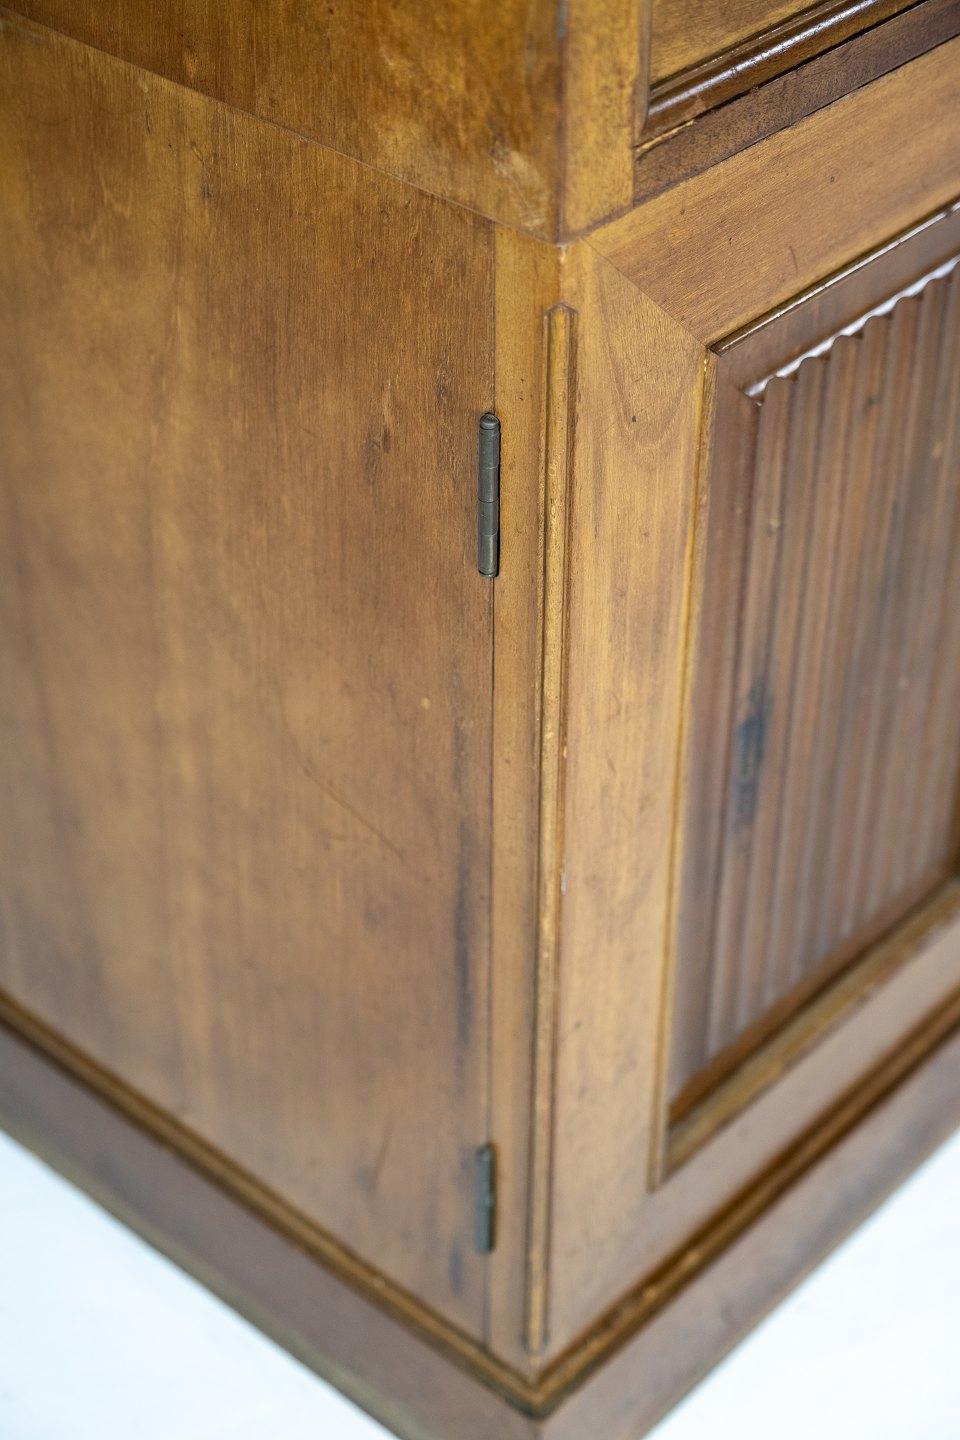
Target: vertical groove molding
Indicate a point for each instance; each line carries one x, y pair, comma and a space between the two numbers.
559, 325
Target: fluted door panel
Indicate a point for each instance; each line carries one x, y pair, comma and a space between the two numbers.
823, 744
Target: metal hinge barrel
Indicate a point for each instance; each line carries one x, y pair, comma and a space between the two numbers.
488, 497
485, 1218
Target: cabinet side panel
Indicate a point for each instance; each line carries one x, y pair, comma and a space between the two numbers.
818, 800
462, 100
245, 658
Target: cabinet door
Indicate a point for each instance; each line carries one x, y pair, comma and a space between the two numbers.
823, 742
759, 921
244, 650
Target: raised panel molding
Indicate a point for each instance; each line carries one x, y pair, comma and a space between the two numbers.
736, 47
822, 757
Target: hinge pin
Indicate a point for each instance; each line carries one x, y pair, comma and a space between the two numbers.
486, 1199
488, 497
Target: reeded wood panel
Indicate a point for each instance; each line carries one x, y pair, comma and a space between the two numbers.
244, 650
822, 770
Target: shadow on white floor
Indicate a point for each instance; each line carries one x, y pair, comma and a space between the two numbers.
103, 1339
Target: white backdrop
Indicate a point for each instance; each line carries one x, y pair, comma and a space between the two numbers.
102, 1339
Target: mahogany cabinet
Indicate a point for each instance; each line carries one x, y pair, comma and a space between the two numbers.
501, 987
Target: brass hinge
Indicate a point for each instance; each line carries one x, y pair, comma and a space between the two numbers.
488, 497
485, 1199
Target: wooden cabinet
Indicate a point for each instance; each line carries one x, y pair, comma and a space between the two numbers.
499, 989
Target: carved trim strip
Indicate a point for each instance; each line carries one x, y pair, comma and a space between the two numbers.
558, 434
757, 387
680, 98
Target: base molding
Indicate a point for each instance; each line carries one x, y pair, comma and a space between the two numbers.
622, 1379
402, 1379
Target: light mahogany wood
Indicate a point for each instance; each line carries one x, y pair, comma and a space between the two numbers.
522, 111
822, 210
684, 34
704, 45
825, 642
526, 112
243, 819
762, 84
632, 667
326, 861
394, 1372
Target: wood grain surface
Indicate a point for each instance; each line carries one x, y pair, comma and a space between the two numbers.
245, 689
693, 30
823, 750
527, 285
323, 860
770, 227
875, 1138
749, 63
705, 114
462, 100
819, 208
525, 112
638, 397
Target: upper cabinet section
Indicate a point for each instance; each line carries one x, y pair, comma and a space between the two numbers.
549, 116
461, 98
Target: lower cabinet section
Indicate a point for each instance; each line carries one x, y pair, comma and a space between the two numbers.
619, 1384
500, 989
